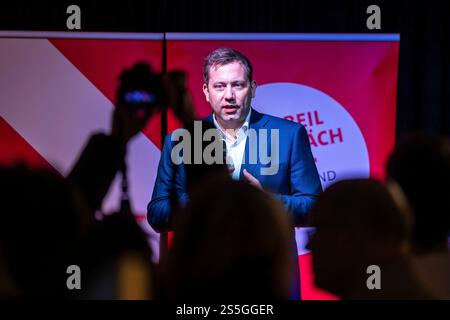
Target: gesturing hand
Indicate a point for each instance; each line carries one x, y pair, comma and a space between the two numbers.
252, 180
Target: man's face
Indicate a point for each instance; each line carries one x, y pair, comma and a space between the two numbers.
230, 93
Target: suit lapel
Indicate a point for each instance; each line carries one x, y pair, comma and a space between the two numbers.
209, 118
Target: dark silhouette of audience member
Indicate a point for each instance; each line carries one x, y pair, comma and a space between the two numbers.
104, 154
8, 288
48, 221
40, 231
360, 223
117, 260
420, 164
231, 241
117, 255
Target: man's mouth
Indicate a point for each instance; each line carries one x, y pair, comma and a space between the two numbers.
230, 110
230, 107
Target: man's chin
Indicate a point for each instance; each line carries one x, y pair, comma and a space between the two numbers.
230, 118
234, 121
232, 114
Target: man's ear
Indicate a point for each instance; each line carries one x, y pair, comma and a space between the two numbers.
253, 88
206, 92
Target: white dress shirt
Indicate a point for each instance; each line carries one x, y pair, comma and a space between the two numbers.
235, 146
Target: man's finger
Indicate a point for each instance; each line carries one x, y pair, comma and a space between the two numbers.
252, 180
248, 176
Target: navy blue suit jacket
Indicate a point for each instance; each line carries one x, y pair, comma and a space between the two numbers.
296, 183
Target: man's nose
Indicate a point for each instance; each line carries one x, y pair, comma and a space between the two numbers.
229, 93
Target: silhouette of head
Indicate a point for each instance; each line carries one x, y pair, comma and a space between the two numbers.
40, 230
421, 166
232, 240
358, 223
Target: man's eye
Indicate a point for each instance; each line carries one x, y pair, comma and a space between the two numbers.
219, 86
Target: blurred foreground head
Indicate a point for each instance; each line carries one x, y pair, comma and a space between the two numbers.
40, 230
420, 164
358, 223
232, 241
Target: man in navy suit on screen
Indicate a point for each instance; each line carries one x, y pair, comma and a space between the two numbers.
286, 167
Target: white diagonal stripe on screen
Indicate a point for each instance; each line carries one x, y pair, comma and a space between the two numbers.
55, 108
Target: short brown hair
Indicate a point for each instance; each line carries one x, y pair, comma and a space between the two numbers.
224, 56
